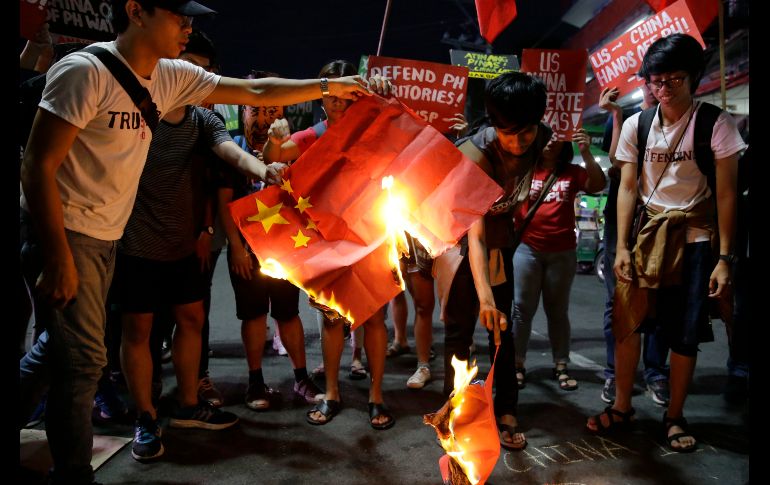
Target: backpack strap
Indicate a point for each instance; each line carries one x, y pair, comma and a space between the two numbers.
704, 155
138, 93
646, 118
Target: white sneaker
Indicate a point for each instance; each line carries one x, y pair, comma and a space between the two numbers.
278, 345
420, 377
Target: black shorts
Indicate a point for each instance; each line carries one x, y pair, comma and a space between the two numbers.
419, 259
143, 285
260, 294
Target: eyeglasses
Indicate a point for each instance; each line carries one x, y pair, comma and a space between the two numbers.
671, 83
184, 20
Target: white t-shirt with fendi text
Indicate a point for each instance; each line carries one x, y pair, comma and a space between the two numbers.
682, 185
99, 176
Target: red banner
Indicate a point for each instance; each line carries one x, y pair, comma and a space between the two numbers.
494, 16
434, 91
326, 225
617, 63
564, 74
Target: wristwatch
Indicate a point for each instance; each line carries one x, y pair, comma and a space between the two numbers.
208, 230
324, 86
728, 258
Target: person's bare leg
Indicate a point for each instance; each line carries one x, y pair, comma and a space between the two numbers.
253, 335
332, 345
682, 368
136, 361
186, 352
293, 339
626, 360
421, 289
400, 311
375, 342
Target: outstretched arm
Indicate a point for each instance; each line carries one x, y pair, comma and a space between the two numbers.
596, 180
273, 91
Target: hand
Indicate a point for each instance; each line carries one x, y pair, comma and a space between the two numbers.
622, 268
57, 284
348, 87
203, 250
43, 38
279, 132
241, 263
275, 172
719, 281
607, 99
380, 85
490, 316
583, 140
460, 125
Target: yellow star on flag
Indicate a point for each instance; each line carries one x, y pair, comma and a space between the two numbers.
268, 215
286, 185
311, 225
303, 204
300, 239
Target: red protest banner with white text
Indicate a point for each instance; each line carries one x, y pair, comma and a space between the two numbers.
32, 15
435, 92
617, 63
564, 74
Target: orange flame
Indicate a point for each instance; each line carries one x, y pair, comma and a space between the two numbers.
273, 268
393, 214
464, 375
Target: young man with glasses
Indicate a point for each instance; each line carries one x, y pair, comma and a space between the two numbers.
681, 203
79, 177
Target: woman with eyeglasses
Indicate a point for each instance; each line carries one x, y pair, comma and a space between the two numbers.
668, 276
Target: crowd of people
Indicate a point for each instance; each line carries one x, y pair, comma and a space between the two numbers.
120, 223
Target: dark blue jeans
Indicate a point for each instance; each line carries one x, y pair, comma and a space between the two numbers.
69, 355
655, 350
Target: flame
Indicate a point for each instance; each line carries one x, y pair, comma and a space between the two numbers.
273, 268
395, 212
464, 375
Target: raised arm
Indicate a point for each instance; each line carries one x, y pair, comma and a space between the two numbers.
273, 91
607, 102
279, 147
596, 180
49, 141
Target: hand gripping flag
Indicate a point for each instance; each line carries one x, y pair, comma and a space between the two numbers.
326, 225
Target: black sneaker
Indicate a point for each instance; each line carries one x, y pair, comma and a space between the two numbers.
147, 444
203, 415
608, 391
260, 398
658, 391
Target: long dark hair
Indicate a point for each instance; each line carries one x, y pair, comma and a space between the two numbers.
338, 68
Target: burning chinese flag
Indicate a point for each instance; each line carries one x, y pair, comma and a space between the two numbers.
494, 16
328, 227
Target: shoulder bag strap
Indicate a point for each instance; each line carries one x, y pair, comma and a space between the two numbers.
533, 208
138, 93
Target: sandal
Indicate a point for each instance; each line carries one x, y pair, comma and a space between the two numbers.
395, 349
328, 408
515, 444
521, 374
564, 379
624, 423
357, 370
668, 423
379, 409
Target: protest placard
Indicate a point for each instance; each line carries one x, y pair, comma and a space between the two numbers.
564, 74
484, 66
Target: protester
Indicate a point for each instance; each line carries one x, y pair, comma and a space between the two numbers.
682, 206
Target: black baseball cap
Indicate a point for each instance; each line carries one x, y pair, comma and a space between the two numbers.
191, 9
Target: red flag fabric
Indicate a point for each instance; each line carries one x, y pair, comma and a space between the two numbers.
326, 226
703, 11
494, 16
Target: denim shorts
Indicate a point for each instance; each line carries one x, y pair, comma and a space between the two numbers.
143, 285
682, 310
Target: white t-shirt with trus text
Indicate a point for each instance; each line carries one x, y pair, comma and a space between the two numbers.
682, 185
99, 176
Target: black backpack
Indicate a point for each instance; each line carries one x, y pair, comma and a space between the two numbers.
704, 127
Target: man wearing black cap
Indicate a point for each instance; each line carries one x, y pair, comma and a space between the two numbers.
79, 178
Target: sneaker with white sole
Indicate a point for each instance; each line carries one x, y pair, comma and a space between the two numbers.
658, 391
278, 345
260, 398
307, 390
608, 391
420, 377
203, 415
207, 392
147, 444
